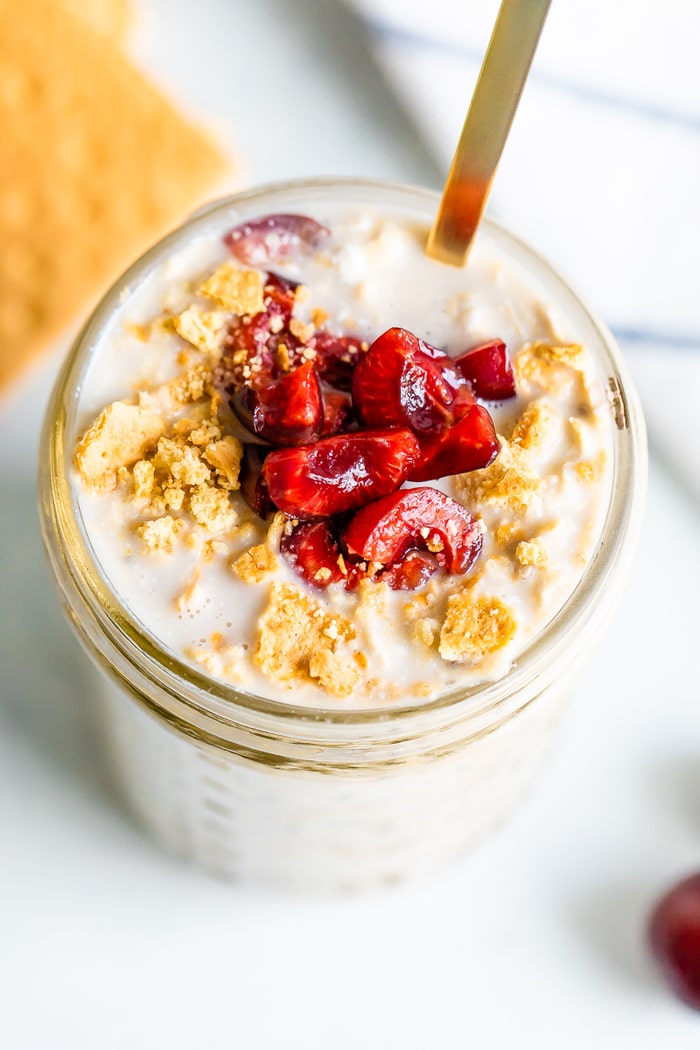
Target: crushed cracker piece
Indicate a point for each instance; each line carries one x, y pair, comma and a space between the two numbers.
303, 332
507, 532
283, 356
240, 291
211, 508
191, 385
119, 437
337, 673
203, 329
531, 552
182, 463
159, 535
587, 471
144, 477
510, 481
475, 627
294, 629
549, 366
424, 631
186, 602
538, 425
225, 456
255, 564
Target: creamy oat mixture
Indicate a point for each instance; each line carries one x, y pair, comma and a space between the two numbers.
158, 456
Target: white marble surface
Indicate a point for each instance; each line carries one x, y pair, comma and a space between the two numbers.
538, 939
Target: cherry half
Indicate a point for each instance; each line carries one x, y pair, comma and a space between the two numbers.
674, 935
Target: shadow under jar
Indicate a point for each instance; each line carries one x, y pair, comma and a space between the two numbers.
341, 796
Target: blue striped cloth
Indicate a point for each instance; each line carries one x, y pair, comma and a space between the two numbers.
601, 172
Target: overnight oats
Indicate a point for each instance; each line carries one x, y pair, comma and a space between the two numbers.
337, 520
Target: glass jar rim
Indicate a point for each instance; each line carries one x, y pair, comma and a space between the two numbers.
215, 699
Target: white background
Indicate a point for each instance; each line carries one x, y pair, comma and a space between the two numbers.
535, 941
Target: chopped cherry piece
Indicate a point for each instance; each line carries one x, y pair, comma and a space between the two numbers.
288, 411
489, 371
403, 381
386, 529
336, 357
253, 487
339, 473
470, 444
414, 569
313, 553
674, 934
259, 337
337, 410
272, 237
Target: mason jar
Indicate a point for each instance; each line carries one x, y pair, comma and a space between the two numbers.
340, 797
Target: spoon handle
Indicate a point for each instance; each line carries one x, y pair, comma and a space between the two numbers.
493, 105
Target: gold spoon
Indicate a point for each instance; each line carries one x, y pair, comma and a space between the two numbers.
486, 128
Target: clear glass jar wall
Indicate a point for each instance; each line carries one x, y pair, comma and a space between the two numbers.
251, 788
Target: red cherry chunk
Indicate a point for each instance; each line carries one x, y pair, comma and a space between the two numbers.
259, 337
674, 935
253, 487
470, 444
424, 518
414, 569
273, 237
488, 370
313, 553
337, 410
403, 381
337, 356
339, 473
288, 411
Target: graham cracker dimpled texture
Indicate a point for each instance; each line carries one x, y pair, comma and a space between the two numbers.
95, 164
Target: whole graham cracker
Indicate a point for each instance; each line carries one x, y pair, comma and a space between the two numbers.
95, 164
111, 17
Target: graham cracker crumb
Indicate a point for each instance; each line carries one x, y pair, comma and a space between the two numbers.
186, 601
182, 463
191, 385
255, 563
119, 437
538, 424
548, 365
507, 532
283, 356
203, 329
337, 673
144, 477
240, 291
303, 332
373, 595
588, 471
318, 317
160, 534
198, 432
225, 456
211, 508
531, 552
418, 607
294, 630
510, 481
425, 631
475, 627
